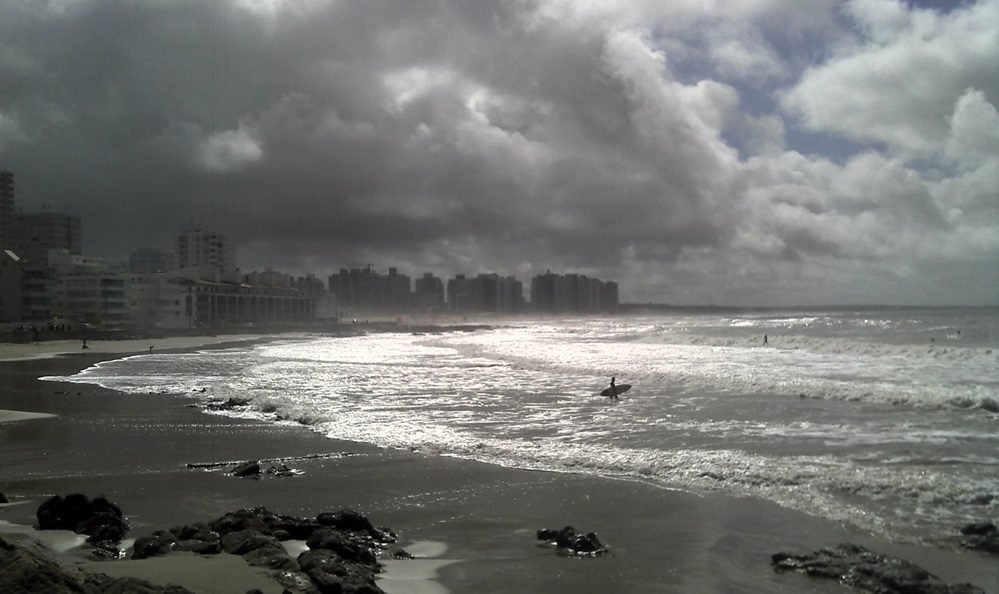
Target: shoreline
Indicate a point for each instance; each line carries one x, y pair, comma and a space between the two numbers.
481, 518
113, 349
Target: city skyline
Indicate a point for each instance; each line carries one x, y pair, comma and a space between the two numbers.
769, 153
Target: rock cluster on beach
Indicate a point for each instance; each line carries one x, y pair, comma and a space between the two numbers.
860, 568
981, 536
341, 556
98, 518
571, 541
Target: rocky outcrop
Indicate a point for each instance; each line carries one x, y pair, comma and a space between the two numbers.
3, 499
572, 541
860, 568
25, 570
253, 469
197, 538
247, 470
341, 557
331, 574
981, 536
98, 518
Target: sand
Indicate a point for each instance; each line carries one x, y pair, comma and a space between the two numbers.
51, 348
472, 524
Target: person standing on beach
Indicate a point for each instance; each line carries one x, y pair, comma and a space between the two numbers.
764, 340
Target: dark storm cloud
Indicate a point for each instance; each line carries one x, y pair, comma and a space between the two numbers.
463, 136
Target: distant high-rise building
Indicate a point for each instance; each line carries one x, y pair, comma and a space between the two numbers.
364, 290
572, 293
205, 248
6, 208
429, 292
398, 291
33, 235
11, 291
150, 260
485, 293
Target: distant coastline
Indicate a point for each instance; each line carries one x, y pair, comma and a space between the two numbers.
632, 308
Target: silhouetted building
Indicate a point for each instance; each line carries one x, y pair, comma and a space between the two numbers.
6, 208
362, 290
398, 289
150, 260
486, 293
572, 293
205, 248
11, 300
34, 234
309, 286
267, 278
428, 294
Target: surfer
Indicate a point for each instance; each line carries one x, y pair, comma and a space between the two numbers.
613, 389
764, 340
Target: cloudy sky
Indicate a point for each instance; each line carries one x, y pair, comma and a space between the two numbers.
755, 152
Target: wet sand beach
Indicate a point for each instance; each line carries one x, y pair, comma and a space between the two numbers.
473, 524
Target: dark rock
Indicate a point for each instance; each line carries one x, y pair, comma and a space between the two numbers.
326, 538
282, 470
860, 568
23, 570
260, 519
571, 540
341, 560
331, 574
402, 554
981, 536
158, 543
261, 550
271, 555
346, 519
351, 521
196, 531
289, 528
244, 541
244, 519
201, 547
129, 585
247, 470
197, 538
3, 499
979, 529
98, 518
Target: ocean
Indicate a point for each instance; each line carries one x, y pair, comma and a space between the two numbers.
884, 419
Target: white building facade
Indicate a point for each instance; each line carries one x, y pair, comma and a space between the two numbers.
197, 248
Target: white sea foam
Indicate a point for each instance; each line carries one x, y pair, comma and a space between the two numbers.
854, 416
